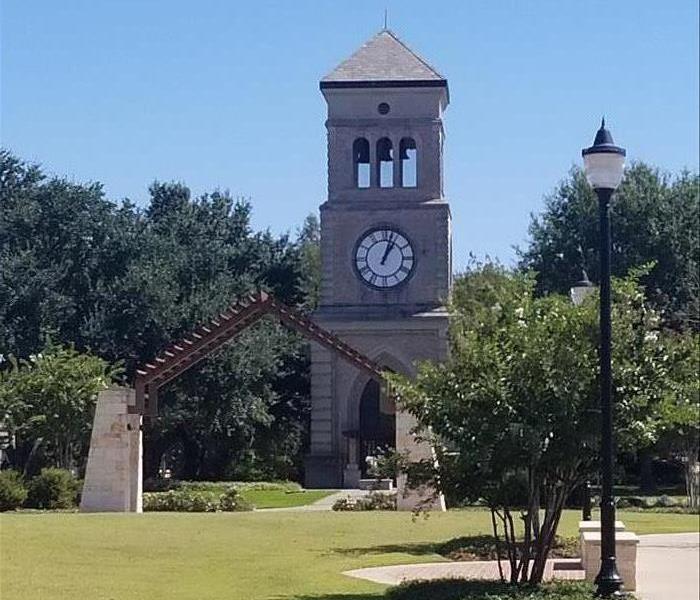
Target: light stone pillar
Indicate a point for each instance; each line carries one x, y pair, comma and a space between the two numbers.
406, 445
113, 477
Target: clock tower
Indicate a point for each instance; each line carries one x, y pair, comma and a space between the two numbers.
385, 251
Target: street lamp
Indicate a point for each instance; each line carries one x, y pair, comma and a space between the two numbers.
604, 166
581, 289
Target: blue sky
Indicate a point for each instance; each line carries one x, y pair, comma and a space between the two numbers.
225, 94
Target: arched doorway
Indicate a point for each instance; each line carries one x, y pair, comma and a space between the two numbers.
377, 433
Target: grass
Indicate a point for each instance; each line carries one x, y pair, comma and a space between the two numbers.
283, 499
233, 556
260, 494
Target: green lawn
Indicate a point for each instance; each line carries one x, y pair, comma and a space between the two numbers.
232, 556
282, 498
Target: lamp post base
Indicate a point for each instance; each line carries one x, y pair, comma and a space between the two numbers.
608, 582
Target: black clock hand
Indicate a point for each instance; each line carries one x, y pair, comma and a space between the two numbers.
389, 247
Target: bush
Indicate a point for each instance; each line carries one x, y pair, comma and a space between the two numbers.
666, 502
374, 501
13, 493
451, 589
185, 500
179, 501
231, 500
51, 489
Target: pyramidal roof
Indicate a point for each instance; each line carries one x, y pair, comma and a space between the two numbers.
384, 61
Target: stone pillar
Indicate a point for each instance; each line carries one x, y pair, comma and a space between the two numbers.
406, 444
351, 473
113, 478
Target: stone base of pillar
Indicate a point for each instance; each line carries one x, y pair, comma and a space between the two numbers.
113, 477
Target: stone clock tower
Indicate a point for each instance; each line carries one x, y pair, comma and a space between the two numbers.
385, 248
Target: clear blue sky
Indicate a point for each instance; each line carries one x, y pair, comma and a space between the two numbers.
225, 94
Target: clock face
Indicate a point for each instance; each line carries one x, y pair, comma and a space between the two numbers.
384, 258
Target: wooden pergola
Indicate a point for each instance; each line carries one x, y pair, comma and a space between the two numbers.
205, 339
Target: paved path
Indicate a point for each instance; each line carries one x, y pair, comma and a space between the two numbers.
667, 568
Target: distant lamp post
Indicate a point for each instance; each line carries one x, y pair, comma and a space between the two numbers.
604, 164
581, 289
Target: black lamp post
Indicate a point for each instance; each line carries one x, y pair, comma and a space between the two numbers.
604, 165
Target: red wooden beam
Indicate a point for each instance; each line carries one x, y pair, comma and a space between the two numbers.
205, 339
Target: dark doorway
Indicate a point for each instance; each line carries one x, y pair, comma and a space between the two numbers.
377, 424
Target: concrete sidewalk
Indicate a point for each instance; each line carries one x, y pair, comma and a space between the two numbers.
667, 568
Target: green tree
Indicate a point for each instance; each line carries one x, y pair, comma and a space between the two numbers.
679, 412
513, 413
122, 282
309, 244
49, 401
655, 219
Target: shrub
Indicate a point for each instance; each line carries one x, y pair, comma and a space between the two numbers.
13, 493
623, 502
452, 589
231, 500
179, 501
186, 500
374, 501
666, 501
51, 489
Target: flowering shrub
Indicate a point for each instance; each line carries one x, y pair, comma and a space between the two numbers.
194, 501
374, 501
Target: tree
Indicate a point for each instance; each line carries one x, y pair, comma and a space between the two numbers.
655, 220
121, 282
513, 413
679, 413
309, 244
49, 401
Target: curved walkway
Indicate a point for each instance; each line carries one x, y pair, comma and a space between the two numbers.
668, 566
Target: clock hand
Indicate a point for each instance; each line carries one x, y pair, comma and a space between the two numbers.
389, 247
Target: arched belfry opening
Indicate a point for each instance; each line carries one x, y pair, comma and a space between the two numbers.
360, 157
408, 153
385, 163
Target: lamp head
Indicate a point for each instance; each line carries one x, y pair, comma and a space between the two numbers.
581, 289
604, 162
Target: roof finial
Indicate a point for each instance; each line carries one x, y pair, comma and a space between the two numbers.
602, 123
386, 19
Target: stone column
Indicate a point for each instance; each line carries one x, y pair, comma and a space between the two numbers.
351, 473
406, 444
113, 477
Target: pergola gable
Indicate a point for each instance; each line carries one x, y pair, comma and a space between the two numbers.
205, 339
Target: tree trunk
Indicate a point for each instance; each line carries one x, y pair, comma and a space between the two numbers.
692, 477
555, 497
496, 538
